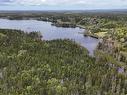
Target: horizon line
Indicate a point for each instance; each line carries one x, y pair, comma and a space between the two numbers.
64, 9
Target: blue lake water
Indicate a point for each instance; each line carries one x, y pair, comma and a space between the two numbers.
50, 32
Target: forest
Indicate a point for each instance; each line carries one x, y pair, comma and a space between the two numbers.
30, 66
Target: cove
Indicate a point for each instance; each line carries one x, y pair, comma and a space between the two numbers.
50, 32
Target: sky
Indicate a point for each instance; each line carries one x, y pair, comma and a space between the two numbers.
62, 4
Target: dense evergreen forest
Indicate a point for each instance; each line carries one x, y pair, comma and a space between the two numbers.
30, 66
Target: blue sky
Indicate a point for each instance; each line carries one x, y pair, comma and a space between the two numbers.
62, 4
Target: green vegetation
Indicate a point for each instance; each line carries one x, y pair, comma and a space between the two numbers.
29, 66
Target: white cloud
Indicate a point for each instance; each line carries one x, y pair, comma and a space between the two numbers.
48, 2
28, 2
89, 3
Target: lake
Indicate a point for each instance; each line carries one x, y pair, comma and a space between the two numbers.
50, 32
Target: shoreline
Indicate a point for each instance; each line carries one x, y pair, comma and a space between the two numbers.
91, 35
79, 26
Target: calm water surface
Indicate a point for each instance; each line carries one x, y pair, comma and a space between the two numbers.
50, 32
